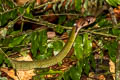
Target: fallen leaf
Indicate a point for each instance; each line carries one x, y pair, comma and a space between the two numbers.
10, 73
51, 34
112, 68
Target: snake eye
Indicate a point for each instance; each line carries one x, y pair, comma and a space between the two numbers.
88, 20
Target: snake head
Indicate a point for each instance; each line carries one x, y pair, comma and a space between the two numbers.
90, 19
82, 22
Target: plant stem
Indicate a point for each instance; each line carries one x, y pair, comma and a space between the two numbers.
117, 67
40, 6
51, 25
100, 33
114, 20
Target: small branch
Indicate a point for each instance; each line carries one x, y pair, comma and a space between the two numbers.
62, 14
40, 6
28, 32
117, 67
114, 20
49, 72
51, 25
6, 47
22, 24
100, 33
44, 23
2, 52
11, 23
105, 28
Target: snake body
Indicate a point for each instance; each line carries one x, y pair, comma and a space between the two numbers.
27, 65
47, 62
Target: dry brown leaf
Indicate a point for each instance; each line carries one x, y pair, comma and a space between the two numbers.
112, 68
10, 73
92, 74
25, 75
51, 34
101, 77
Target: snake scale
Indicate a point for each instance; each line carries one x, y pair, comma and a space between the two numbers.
27, 65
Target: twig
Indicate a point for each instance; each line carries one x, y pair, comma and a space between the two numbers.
40, 6
117, 67
8, 11
2, 52
45, 23
6, 47
11, 23
100, 33
114, 20
28, 32
50, 25
62, 14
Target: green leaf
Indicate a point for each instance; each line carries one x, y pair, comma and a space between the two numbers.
28, 10
6, 16
28, 15
112, 2
20, 10
0, 1
71, 4
16, 41
92, 60
49, 52
78, 47
74, 74
69, 23
54, 7
1, 58
79, 66
27, 40
3, 33
61, 19
0, 19
78, 5
9, 3
40, 57
3, 19
86, 4
112, 47
104, 22
58, 45
7, 62
87, 45
24, 52
116, 31
42, 40
59, 29
118, 1
3, 78
39, 43
60, 5
15, 32
67, 4
66, 76
35, 44
87, 66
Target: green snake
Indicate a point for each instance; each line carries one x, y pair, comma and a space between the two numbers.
27, 65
